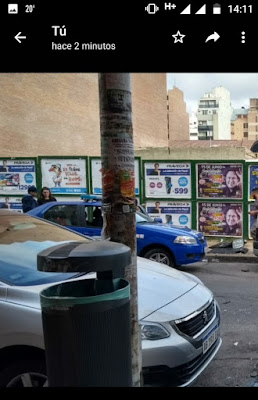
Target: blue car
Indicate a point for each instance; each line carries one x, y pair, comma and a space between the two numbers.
167, 244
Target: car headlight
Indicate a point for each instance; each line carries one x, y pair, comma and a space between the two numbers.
185, 240
153, 331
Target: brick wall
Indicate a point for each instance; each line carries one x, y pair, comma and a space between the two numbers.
58, 114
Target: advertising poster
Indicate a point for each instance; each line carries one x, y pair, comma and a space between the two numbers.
173, 213
252, 178
64, 176
16, 176
96, 176
220, 219
13, 203
222, 181
167, 180
251, 219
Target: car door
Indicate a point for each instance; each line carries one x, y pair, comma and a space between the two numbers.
68, 215
93, 221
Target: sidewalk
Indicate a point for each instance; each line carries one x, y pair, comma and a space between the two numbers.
215, 255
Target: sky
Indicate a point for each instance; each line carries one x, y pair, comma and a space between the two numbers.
242, 86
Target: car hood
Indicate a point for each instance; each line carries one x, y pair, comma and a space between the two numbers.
168, 229
159, 287
165, 293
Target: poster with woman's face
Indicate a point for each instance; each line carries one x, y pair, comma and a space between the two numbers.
220, 219
219, 180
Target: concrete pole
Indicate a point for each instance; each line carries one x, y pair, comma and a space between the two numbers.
118, 184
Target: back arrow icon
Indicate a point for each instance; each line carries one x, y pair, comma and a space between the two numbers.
215, 36
18, 37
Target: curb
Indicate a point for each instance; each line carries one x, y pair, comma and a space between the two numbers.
234, 258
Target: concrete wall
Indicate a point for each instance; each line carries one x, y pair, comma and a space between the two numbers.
207, 153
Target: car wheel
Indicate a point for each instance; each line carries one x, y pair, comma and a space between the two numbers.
160, 255
24, 373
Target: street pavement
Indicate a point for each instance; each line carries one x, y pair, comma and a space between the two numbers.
216, 255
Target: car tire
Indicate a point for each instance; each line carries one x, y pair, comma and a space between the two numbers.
24, 373
160, 255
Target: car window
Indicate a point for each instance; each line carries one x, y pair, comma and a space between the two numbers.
65, 215
21, 239
93, 216
140, 217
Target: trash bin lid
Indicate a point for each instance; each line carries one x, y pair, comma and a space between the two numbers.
93, 256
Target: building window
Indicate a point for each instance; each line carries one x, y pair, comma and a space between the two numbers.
245, 125
246, 134
205, 112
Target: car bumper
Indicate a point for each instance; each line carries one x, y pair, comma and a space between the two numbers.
183, 375
186, 254
179, 359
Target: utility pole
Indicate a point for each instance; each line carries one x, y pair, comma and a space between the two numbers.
118, 185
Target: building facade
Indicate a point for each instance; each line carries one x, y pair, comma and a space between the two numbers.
239, 124
58, 114
253, 120
214, 115
244, 123
193, 123
178, 118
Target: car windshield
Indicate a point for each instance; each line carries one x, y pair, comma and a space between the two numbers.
141, 218
22, 237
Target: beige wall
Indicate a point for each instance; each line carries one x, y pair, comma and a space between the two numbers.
190, 153
58, 114
237, 127
178, 118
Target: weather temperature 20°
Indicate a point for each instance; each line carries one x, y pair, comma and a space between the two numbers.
29, 8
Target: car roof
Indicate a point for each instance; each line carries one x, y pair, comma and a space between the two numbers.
78, 202
4, 211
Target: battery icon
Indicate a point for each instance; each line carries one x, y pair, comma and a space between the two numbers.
216, 8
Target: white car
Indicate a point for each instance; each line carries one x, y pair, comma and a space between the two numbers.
178, 315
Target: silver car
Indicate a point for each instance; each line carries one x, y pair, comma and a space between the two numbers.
178, 315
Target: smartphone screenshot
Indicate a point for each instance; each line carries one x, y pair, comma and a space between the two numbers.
157, 100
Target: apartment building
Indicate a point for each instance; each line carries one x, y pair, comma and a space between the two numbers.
253, 120
239, 124
244, 122
214, 115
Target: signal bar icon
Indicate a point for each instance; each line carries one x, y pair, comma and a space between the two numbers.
187, 10
202, 10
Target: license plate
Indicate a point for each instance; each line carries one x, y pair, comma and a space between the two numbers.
210, 339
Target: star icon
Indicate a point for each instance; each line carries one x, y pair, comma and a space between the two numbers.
178, 37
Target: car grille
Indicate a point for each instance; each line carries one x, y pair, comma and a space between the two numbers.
194, 325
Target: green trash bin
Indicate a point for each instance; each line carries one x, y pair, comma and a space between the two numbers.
86, 322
